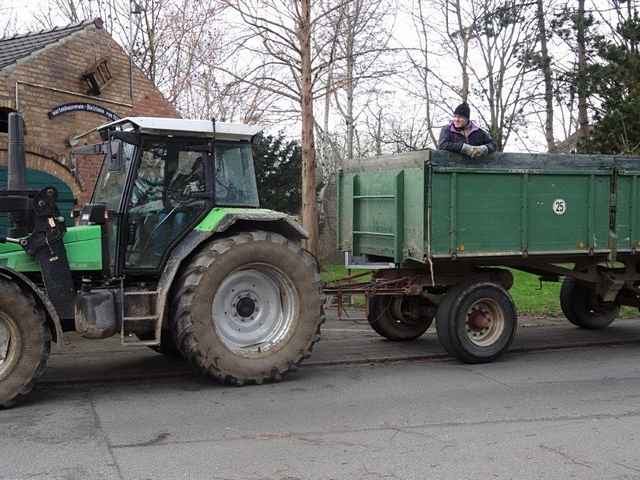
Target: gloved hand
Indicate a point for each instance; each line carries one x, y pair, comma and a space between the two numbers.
467, 149
479, 151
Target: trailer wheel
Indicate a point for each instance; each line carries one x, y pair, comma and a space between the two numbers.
400, 318
583, 308
247, 308
476, 322
25, 342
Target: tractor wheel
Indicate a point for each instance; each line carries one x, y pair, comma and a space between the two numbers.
399, 318
583, 308
167, 346
25, 342
247, 308
476, 322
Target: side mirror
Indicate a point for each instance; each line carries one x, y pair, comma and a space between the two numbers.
115, 155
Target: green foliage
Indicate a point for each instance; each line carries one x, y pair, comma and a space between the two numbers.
278, 164
615, 80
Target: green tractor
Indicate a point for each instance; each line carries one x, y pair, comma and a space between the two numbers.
172, 252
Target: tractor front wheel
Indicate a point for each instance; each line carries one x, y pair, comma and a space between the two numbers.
247, 308
25, 342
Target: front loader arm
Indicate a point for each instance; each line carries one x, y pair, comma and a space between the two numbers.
38, 213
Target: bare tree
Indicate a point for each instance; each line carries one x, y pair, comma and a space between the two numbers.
612, 14
583, 118
309, 199
362, 34
286, 39
7, 23
427, 84
210, 94
504, 36
114, 13
545, 65
456, 38
165, 38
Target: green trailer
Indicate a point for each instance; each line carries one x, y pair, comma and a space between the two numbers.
441, 232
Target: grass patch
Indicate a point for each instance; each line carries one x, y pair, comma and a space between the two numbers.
529, 296
329, 273
532, 299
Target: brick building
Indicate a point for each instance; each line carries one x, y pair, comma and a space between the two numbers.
67, 81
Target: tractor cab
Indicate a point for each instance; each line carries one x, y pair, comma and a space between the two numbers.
160, 177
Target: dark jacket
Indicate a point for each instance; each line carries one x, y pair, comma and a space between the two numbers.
452, 139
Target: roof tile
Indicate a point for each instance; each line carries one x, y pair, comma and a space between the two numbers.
19, 46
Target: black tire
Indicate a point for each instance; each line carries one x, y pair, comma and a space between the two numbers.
29, 345
464, 339
583, 308
167, 346
203, 337
399, 319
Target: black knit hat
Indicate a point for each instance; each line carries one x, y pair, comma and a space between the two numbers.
463, 110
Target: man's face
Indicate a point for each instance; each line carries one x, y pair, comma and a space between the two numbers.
459, 121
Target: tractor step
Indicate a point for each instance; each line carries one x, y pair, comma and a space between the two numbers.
140, 321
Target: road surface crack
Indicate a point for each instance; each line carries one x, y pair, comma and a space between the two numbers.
415, 429
566, 456
99, 430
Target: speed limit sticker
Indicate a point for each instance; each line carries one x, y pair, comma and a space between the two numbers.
559, 206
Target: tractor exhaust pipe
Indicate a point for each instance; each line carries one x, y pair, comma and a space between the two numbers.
16, 164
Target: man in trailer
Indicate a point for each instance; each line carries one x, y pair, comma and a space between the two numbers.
464, 136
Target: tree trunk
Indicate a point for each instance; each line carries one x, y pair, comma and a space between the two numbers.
349, 88
548, 81
309, 202
465, 35
379, 132
583, 118
324, 135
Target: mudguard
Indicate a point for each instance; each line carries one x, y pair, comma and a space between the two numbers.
53, 320
218, 221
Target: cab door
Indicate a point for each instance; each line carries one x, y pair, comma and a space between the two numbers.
168, 196
110, 191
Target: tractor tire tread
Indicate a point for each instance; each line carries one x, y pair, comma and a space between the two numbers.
23, 302
182, 322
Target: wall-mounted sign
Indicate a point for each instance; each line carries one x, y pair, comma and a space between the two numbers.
82, 107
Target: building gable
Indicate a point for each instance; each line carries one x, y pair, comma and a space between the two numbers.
50, 87
17, 47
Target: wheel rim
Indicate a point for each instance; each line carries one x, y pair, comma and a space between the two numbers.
254, 308
485, 322
10, 344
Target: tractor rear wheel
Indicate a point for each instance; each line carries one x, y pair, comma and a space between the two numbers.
583, 308
247, 308
25, 342
400, 318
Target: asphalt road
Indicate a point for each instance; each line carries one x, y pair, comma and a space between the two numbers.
570, 413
